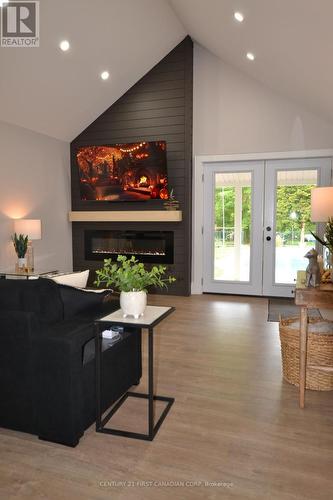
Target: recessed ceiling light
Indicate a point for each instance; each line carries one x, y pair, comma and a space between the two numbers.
239, 17
64, 45
250, 56
105, 75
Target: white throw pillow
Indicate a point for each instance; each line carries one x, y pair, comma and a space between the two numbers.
77, 280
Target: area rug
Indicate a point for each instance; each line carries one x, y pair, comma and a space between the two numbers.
286, 308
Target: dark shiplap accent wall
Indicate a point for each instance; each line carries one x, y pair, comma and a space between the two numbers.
158, 107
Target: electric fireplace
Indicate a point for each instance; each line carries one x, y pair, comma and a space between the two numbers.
146, 246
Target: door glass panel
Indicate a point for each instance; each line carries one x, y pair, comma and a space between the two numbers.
293, 224
232, 226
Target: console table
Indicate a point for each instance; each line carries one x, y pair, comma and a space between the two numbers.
25, 274
307, 298
152, 317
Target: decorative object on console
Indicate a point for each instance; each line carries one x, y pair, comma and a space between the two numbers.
130, 277
322, 211
20, 244
123, 172
313, 269
32, 228
327, 242
301, 279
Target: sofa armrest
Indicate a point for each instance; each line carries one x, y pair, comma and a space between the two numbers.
58, 364
66, 387
17, 332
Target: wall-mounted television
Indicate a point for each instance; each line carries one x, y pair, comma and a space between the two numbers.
123, 172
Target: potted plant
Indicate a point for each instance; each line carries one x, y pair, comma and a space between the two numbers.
21, 245
132, 279
327, 241
171, 203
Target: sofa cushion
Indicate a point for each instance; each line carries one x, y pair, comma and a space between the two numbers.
43, 298
39, 296
78, 301
10, 295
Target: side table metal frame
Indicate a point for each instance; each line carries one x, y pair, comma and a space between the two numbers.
152, 426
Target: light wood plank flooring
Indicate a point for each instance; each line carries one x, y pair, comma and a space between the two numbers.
234, 421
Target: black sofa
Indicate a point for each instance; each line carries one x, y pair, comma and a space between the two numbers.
47, 359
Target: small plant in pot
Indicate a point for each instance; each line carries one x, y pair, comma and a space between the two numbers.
21, 245
171, 203
132, 279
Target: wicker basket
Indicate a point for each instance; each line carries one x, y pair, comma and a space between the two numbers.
319, 352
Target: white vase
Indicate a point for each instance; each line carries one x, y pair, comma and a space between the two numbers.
133, 303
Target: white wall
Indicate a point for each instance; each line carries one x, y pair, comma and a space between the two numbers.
235, 114
35, 183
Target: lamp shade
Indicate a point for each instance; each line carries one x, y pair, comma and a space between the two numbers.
30, 227
321, 204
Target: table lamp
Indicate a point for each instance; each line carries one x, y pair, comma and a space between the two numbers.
321, 204
32, 229
322, 211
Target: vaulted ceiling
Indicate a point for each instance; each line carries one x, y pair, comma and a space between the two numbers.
291, 39
59, 94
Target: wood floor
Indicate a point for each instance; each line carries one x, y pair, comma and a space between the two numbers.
234, 423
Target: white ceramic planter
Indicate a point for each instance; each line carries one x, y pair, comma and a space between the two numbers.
133, 303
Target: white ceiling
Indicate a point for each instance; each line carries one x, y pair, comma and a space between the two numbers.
292, 40
59, 94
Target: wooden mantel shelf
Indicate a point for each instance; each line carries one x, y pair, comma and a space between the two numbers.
127, 216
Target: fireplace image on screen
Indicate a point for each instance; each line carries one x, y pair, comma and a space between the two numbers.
146, 246
123, 172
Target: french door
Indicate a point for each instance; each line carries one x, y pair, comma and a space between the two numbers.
257, 225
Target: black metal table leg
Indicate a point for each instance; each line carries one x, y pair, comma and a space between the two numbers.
151, 382
98, 377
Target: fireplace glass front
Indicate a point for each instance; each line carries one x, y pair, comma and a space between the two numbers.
146, 246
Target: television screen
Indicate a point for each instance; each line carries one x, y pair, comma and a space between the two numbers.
123, 172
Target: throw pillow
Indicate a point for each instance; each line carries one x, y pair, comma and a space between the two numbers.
78, 280
78, 301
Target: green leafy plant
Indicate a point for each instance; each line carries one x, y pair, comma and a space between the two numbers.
20, 244
130, 275
328, 236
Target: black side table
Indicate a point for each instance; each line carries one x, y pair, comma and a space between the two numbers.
152, 317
